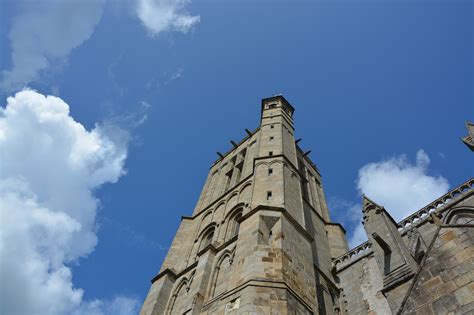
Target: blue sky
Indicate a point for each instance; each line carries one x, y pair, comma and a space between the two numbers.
381, 89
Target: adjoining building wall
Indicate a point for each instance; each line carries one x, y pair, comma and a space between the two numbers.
441, 243
445, 282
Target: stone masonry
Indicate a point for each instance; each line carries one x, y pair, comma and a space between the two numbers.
260, 241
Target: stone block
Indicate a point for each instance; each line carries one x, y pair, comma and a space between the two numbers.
432, 283
445, 304
465, 295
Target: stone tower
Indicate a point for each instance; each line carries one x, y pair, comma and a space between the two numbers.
260, 241
259, 237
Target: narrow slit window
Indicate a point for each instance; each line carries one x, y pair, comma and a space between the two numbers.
272, 126
270, 171
270, 153
269, 195
271, 139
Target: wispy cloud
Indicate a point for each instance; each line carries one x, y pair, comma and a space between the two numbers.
44, 33
131, 235
165, 15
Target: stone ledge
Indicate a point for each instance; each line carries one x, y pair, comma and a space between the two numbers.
167, 271
260, 283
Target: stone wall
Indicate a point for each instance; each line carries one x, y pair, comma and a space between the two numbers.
445, 283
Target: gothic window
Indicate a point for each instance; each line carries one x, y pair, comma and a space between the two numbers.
222, 276
234, 224
207, 239
303, 183
460, 216
179, 300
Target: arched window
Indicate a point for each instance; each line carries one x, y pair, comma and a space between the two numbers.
235, 224
207, 239
179, 300
222, 276
460, 216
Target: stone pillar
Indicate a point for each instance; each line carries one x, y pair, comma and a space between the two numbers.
159, 293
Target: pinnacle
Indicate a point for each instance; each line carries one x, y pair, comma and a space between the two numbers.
368, 204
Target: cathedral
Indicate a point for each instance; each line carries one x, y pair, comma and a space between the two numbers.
260, 241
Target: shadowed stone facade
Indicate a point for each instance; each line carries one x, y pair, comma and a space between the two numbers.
260, 241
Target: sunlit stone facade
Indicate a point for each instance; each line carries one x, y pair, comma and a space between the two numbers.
260, 241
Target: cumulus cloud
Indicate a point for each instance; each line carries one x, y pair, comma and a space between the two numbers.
349, 213
398, 185
44, 32
165, 15
401, 187
50, 167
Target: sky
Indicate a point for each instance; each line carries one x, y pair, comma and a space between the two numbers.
112, 112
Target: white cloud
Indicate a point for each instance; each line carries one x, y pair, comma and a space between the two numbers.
399, 186
118, 306
165, 15
45, 32
396, 184
358, 235
50, 167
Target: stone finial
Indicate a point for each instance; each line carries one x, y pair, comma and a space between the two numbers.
368, 204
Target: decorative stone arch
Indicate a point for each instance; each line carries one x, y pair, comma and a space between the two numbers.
220, 206
234, 193
221, 203
235, 208
226, 257
181, 288
191, 278
207, 215
460, 215
208, 227
247, 184
245, 192
275, 162
206, 236
234, 196
260, 163
233, 221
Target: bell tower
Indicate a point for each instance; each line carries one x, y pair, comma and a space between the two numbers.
260, 239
